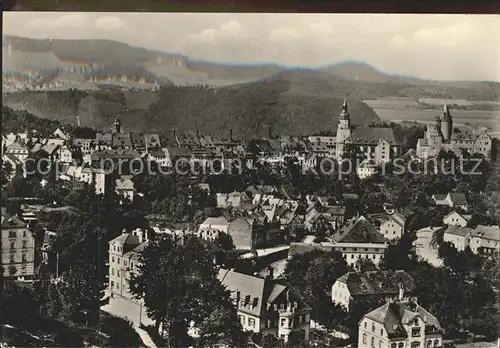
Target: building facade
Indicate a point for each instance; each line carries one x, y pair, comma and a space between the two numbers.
18, 249
267, 306
400, 324
443, 136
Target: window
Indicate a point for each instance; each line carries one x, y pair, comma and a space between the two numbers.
415, 344
12, 245
112, 259
380, 344
373, 342
118, 286
24, 257
24, 233
242, 319
364, 338
112, 271
381, 332
125, 262
393, 345
118, 272
436, 343
12, 234
251, 322
373, 327
401, 345
112, 284
25, 243
283, 322
365, 324
429, 344
415, 332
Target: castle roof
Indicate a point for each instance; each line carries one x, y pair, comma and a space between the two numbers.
372, 135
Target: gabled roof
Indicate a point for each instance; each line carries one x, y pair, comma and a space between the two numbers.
126, 239
393, 315
398, 218
359, 230
463, 216
179, 151
221, 220
12, 222
458, 198
266, 291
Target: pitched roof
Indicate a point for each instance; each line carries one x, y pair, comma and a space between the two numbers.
266, 291
12, 222
398, 218
487, 232
458, 198
393, 315
377, 282
359, 230
458, 230
465, 217
126, 239
372, 135
179, 151
221, 220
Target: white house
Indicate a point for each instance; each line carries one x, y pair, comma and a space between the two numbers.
394, 227
453, 199
485, 240
456, 219
400, 324
459, 236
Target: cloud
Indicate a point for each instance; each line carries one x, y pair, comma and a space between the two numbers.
70, 20
109, 23
284, 34
228, 30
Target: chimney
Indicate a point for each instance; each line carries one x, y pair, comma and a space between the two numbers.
401, 291
238, 296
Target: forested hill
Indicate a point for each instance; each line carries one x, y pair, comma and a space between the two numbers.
291, 106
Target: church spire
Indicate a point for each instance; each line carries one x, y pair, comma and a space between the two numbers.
446, 111
344, 113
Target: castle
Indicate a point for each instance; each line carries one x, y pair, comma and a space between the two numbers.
378, 144
443, 136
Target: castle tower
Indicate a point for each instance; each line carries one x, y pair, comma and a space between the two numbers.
447, 123
343, 130
117, 125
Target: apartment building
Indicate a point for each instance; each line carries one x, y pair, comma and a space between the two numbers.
393, 227
124, 259
18, 249
267, 306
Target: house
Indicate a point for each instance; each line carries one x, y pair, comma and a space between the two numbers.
125, 188
485, 240
18, 249
456, 219
359, 239
267, 306
367, 169
394, 227
246, 233
159, 157
17, 150
232, 200
459, 236
16, 166
95, 177
452, 200
85, 145
379, 284
400, 324
124, 259
215, 223
178, 156
61, 133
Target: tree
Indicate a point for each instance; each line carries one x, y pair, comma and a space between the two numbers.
224, 241
271, 341
178, 283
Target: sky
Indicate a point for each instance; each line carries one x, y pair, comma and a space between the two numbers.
441, 47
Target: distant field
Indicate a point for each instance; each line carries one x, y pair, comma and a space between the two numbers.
405, 109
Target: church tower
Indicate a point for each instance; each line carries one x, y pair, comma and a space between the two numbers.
117, 125
446, 124
343, 130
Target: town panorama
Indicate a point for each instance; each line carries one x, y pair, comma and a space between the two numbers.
249, 180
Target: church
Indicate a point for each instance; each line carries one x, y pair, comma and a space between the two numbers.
378, 144
443, 136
